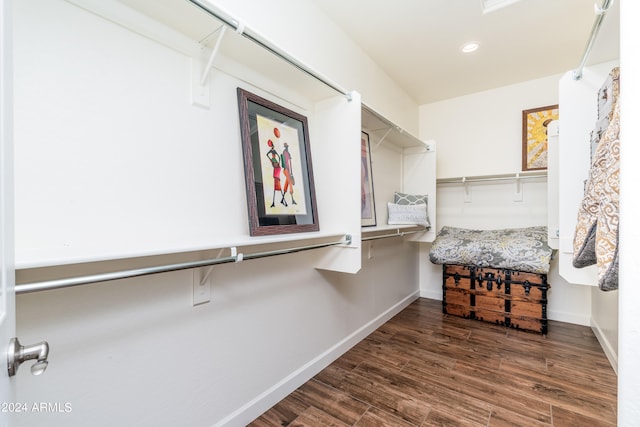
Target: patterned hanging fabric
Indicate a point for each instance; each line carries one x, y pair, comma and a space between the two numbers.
596, 236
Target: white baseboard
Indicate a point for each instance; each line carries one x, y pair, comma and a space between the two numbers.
562, 316
431, 294
608, 349
257, 406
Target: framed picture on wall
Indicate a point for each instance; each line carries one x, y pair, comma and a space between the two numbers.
367, 200
534, 136
278, 169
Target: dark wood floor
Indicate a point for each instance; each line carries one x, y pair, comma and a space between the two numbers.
423, 368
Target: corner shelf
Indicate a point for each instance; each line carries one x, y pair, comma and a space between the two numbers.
384, 130
400, 162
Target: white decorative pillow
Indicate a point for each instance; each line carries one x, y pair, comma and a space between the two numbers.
408, 214
410, 199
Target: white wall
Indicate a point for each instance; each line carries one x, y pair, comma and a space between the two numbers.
135, 352
93, 100
489, 143
98, 151
604, 321
481, 133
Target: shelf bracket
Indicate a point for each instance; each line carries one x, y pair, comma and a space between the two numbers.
239, 256
518, 196
429, 145
381, 140
214, 52
200, 91
467, 190
203, 279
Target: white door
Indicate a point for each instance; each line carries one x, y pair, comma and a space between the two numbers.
7, 278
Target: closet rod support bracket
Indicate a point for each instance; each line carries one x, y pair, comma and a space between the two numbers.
239, 256
467, 190
518, 184
381, 140
214, 53
601, 10
200, 89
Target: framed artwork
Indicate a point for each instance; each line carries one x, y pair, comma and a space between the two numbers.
367, 201
534, 136
277, 164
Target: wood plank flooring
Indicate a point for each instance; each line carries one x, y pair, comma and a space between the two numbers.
423, 368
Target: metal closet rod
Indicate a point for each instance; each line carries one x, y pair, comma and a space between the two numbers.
601, 11
464, 180
397, 234
145, 271
240, 28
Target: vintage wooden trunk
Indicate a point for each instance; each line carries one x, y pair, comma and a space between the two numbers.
507, 297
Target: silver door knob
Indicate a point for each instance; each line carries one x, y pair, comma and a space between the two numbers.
18, 353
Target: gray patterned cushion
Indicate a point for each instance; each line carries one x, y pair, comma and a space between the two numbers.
409, 199
523, 249
408, 214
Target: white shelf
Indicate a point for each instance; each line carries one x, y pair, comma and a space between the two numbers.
65, 275
381, 130
400, 162
238, 55
44, 258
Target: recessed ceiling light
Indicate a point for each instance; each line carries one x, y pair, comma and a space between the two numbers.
491, 5
470, 47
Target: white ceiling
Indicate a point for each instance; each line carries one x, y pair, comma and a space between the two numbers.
417, 42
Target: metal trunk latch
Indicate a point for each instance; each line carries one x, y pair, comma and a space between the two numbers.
456, 278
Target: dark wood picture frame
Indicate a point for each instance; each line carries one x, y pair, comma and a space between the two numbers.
367, 199
279, 180
534, 136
